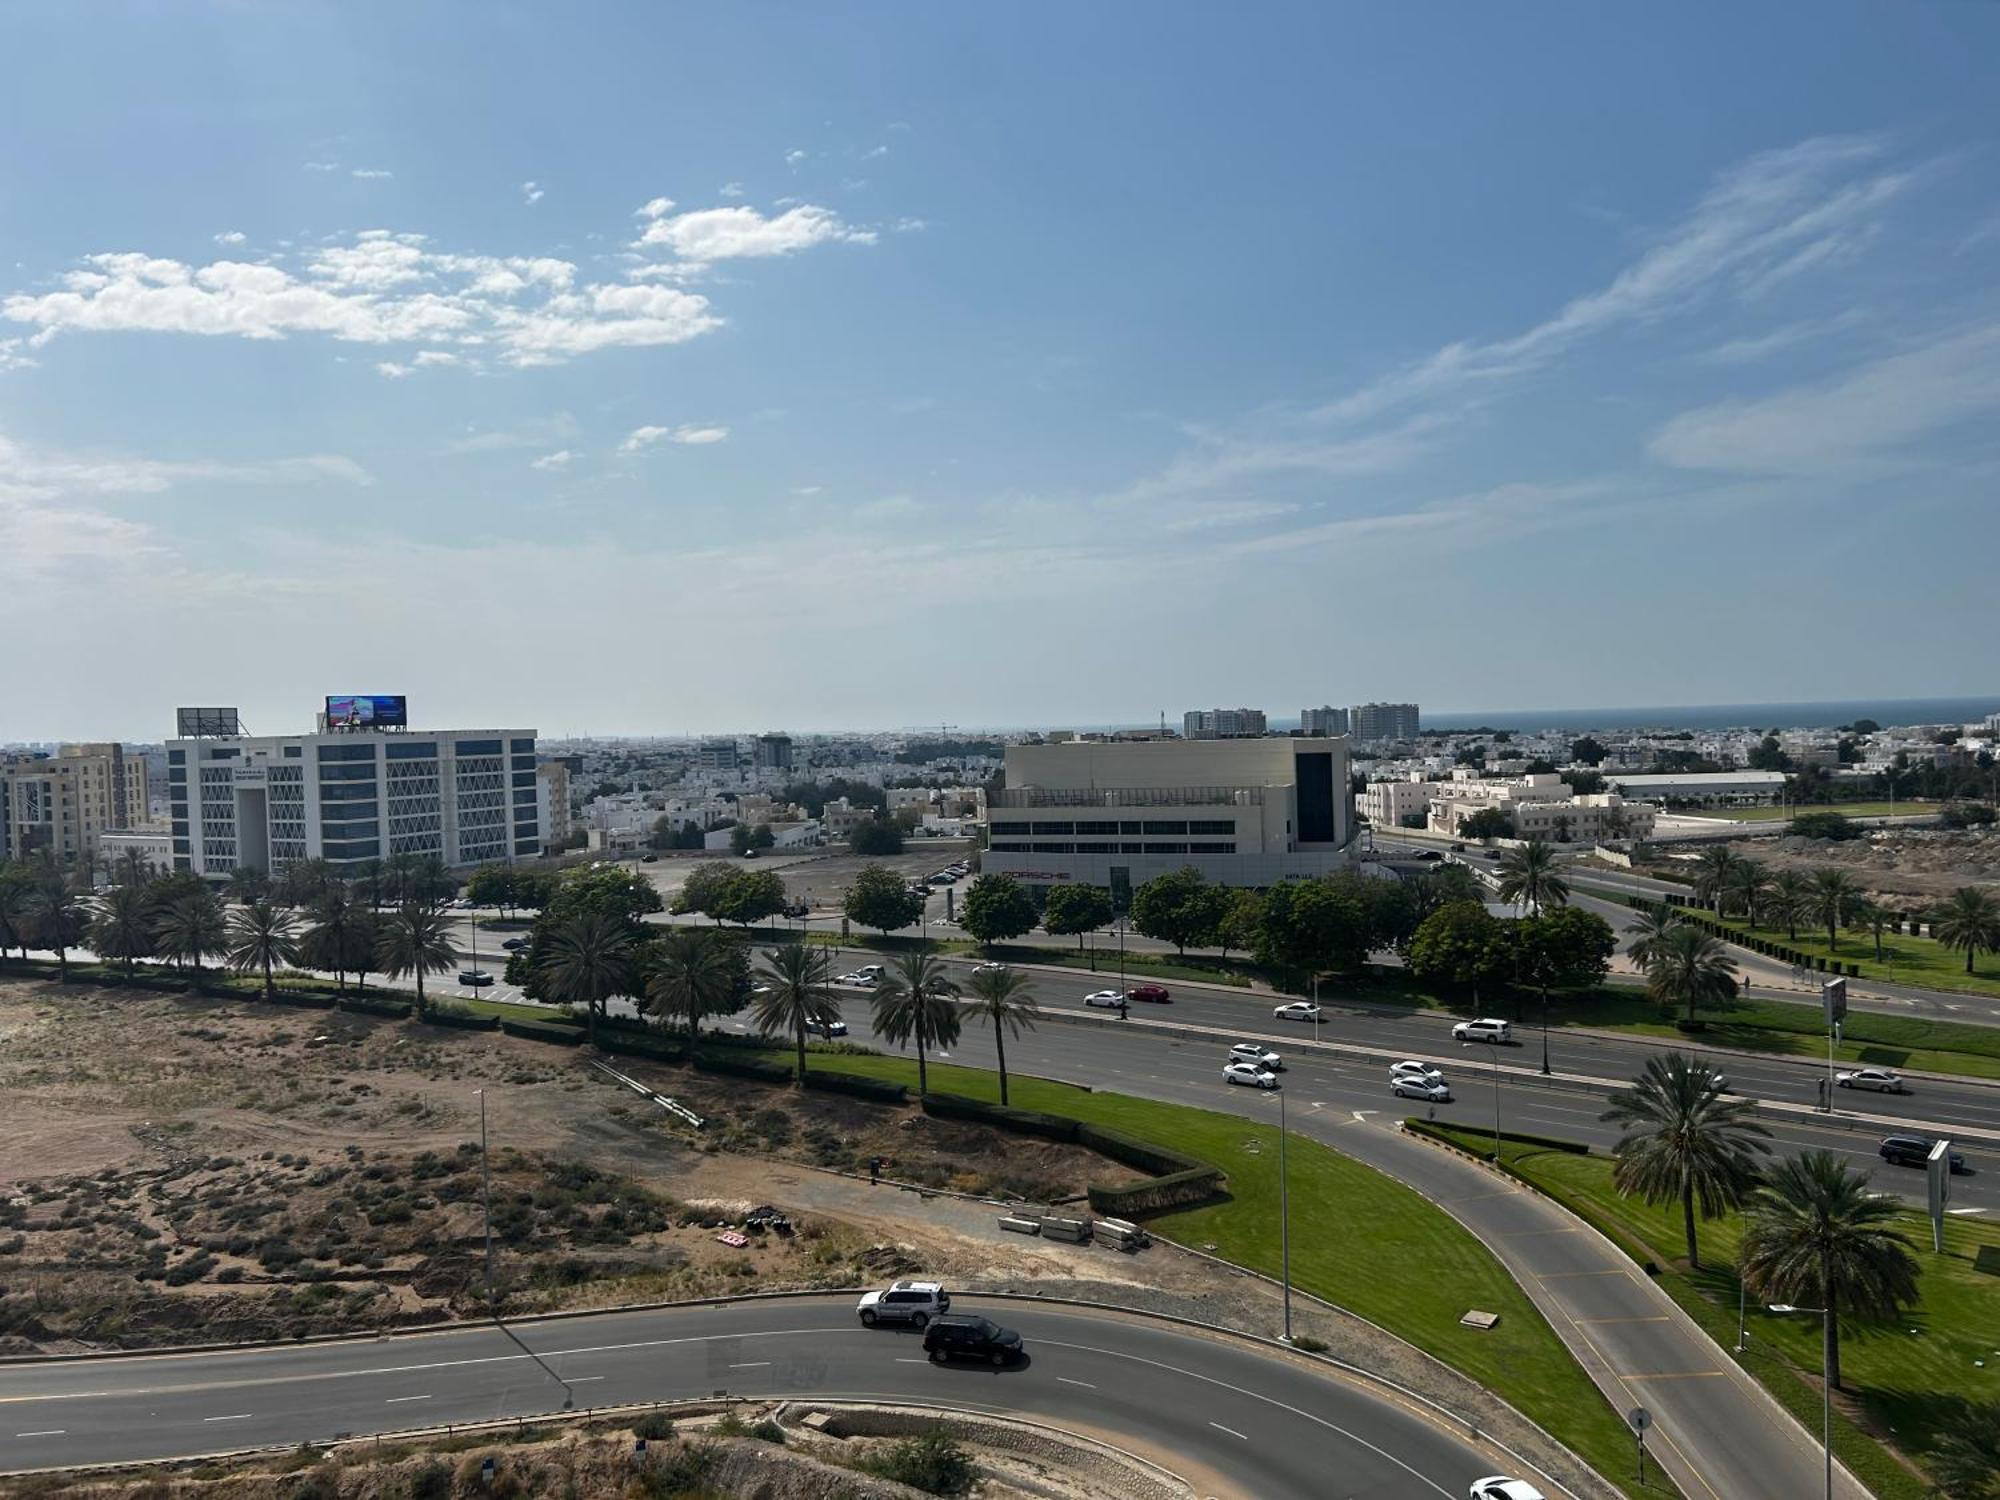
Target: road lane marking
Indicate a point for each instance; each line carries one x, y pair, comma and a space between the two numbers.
393, 1400
1230, 1430
902, 1361
581, 1379
1677, 1375
240, 1416
45, 1432
752, 1364
1084, 1383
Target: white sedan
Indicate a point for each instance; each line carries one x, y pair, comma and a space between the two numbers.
991, 966
1431, 1090
857, 981
1500, 1487
1297, 1010
1105, 999
1422, 1071
1250, 1075
1881, 1080
1257, 1056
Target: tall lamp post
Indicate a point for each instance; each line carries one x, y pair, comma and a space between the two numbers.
486, 1198
1825, 1382
1284, 1216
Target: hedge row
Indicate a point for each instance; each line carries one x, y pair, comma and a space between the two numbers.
1546, 1142
397, 1010
543, 1031
463, 1022
1180, 1179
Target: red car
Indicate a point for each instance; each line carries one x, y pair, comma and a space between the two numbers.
1153, 992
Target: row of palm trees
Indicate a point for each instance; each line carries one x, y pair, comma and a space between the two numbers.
1968, 922
1813, 1235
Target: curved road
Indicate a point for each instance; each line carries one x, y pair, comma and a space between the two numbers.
1256, 1421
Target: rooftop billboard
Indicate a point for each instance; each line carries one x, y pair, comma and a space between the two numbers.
368, 711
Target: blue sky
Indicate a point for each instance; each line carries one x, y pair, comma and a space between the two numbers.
652, 369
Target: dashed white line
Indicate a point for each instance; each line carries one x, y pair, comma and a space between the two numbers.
752, 1364
1230, 1430
238, 1416
1084, 1383
901, 1361
581, 1379
394, 1399
45, 1432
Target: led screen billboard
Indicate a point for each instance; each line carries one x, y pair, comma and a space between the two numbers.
368, 711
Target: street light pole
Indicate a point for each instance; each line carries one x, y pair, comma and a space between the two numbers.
1545, 1030
1284, 1216
1825, 1380
486, 1197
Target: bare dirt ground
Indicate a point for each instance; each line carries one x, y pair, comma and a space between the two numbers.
1918, 863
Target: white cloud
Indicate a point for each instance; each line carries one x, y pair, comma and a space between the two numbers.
11, 357
794, 157
549, 462
1466, 519
230, 237
877, 151
394, 371
426, 357
1752, 348
728, 190
910, 226
655, 208
531, 193
712, 234
322, 166
533, 434
371, 173
1856, 422
687, 434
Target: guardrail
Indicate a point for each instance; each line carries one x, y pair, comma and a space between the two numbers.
672, 1106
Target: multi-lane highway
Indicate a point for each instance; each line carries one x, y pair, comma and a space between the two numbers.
1259, 1422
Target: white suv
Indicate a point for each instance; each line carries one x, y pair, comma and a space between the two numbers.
912, 1302
1485, 1029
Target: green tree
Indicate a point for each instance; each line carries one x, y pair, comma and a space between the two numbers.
1791, 900
1461, 944
415, 938
1181, 908
1685, 1139
1965, 1462
917, 1001
1748, 887
1587, 751
1076, 908
1876, 919
1487, 823
1769, 756
1714, 870
1690, 969
190, 927
1835, 899
1242, 920
1970, 920
703, 889
492, 885
877, 837
121, 924
342, 936
1564, 949
588, 959
304, 881
1815, 1236
995, 908
1529, 877
1824, 825
882, 899
690, 975
614, 889
739, 840
263, 935
751, 896
1647, 933
1001, 998
56, 913
248, 883
16, 898
1309, 927
796, 995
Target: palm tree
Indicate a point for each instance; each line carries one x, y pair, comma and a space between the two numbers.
1001, 998
1690, 968
247, 883
586, 961
1791, 895
415, 939
795, 995
915, 1002
121, 923
130, 868
56, 913
1685, 1139
262, 935
1750, 883
1969, 920
1648, 932
14, 902
691, 975
1875, 918
342, 936
190, 928
305, 881
1815, 1236
1528, 877
1834, 897
1714, 868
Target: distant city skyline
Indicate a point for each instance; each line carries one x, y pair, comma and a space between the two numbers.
667, 368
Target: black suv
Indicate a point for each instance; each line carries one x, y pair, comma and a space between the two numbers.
961, 1337
1913, 1151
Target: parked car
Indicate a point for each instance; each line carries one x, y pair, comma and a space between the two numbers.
1410, 1068
1430, 854
647, 859
1249, 1074
1255, 1052
873, 971
1500, 1487
828, 1029
1913, 1151
955, 1336
912, 1302
1296, 1010
1414, 1086
1881, 1080
1485, 1029
474, 977
1105, 999
1154, 993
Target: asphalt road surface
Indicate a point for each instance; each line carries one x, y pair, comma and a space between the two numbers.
1267, 1423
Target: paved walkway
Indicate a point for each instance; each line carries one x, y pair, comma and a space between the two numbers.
1715, 1429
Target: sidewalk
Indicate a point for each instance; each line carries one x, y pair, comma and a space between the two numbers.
1715, 1429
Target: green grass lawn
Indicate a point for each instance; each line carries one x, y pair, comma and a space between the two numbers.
1905, 960
1850, 809
1917, 1378
1359, 1239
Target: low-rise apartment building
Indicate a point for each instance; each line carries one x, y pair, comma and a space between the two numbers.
64, 803
1540, 806
1387, 804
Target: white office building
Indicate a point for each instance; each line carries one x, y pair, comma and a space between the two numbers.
1540, 806
1322, 721
1245, 812
466, 796
1387, 803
